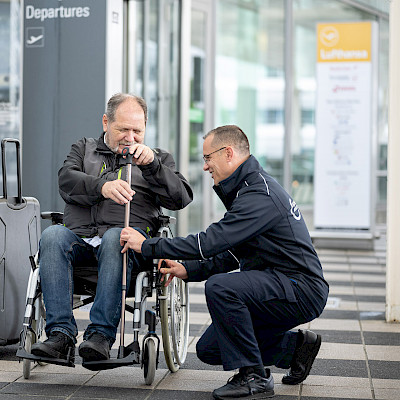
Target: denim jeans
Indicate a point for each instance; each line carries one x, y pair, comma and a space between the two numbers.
60, 252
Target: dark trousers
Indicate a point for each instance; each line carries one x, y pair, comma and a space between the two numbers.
251, 319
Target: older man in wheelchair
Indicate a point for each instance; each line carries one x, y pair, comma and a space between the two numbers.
87, 244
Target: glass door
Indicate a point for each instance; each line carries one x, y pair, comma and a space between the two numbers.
152, 66
200, 112
152, 55
168, 131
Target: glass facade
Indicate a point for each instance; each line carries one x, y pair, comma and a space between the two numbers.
306, 14
383, 106
249, 81
197, 116
259, 73
249, 77
252, 75
10, 79
142, 67
379, 5
152, 32
265, 67
10, 83
152, 67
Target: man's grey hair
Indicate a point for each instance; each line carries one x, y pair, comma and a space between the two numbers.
230, 135
118, 98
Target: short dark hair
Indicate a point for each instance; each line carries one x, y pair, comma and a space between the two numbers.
117, 99
230, 135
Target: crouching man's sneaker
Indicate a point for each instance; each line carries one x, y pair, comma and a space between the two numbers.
58, 345
95, 348
308, 344
247, 386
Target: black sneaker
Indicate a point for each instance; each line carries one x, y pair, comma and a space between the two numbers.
95, 348
58, 345
247, 386
306, 351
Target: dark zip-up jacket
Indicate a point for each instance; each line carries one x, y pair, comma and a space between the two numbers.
91, 163
262, 229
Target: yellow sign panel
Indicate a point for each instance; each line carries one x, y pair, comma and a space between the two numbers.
344, 42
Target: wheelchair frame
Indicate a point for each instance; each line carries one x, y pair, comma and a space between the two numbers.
171, 308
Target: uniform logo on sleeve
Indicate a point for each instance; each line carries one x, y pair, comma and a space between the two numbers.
294, 210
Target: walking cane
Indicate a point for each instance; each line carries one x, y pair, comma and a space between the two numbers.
128, 162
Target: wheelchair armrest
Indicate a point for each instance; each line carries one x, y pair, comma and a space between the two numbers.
165, 220
55, 216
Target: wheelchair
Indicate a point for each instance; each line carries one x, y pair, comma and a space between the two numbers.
171, 309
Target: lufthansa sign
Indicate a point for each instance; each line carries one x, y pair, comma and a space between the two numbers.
345, 121
344, 42
42, 14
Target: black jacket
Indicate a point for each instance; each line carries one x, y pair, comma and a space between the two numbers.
91, 163
262, 229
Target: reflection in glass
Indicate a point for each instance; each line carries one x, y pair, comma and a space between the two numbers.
383, 94
171, 98
383, 108
9, 68
153, 68
153, 71
196, 115
10, 56
250, 76
250, 83
306, 15
151, 65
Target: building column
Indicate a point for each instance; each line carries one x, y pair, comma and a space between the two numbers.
393, 192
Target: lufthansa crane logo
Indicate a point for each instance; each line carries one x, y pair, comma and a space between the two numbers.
329, 36
294, 210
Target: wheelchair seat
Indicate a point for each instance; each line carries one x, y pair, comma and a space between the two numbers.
85, 282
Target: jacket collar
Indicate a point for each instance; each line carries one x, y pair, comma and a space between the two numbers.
228, 188
101, 146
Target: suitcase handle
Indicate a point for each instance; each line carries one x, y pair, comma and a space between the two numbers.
3, 164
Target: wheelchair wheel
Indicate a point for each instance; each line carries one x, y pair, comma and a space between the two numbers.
149, 361
40, 322
32, 336
174, 313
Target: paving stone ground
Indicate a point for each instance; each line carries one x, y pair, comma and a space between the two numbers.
359, 357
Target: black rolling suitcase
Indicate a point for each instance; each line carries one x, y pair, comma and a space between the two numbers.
19, 239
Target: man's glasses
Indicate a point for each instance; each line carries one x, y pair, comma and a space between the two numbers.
207, 157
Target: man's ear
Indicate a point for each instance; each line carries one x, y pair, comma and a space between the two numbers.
229, 153
105, 122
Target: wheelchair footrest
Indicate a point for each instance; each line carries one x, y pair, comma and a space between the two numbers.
22, 353
130, 359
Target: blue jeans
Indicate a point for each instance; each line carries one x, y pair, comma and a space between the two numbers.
61, 252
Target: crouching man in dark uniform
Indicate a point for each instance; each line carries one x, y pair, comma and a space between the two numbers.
280, 283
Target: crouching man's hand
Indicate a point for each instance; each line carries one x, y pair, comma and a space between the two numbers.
173, 268
131, 239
